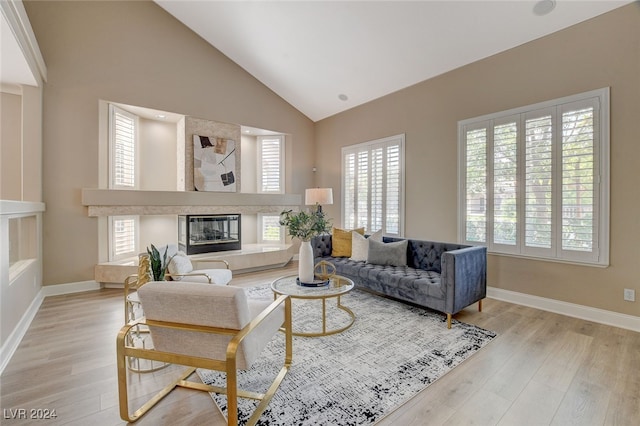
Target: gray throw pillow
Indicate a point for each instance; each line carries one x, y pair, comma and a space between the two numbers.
394, 254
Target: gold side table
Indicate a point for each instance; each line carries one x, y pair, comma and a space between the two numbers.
338, 286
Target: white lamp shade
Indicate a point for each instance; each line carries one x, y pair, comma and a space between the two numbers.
313, 196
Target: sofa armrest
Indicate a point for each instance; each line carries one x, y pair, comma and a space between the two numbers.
464, 275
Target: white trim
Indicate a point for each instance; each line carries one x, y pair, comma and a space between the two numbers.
587, 313
18, 21
69, 288
21, 207
14, 339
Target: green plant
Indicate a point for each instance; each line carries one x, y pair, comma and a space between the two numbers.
305, 225
158, 264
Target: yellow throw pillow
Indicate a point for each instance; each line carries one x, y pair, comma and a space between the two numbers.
341, 241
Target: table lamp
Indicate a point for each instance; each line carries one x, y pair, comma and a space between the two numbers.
318, 197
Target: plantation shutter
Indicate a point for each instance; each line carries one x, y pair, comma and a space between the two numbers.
362, 190
393, 190
539, 183
123, 128
580, 179
123, 237
271, 229
376, 187
373, 185
476, 185
349, 179
270, 164
532, 179
505, 178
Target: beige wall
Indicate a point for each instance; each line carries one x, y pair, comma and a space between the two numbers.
158, 165
604, 51
137, 54
11, 146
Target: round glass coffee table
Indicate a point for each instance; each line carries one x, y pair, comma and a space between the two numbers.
338, 285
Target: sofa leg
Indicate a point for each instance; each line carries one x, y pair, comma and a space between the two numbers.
480, 305
448, 320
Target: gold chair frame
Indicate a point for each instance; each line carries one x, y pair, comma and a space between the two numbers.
133, 283
228, 366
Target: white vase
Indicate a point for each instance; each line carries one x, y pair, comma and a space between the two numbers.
305, 262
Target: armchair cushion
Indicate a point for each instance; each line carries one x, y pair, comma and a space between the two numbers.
179, 264
180, 267
210, 306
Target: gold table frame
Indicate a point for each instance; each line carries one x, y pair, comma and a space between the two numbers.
338, 286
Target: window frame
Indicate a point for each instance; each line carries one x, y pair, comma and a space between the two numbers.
358, 149
599, 255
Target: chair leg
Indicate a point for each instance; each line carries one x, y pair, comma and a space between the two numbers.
232, 394
123, 386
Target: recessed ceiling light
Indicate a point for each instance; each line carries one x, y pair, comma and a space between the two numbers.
161, 116
544, 7
343, 97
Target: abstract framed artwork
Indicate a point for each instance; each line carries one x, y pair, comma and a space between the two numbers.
214, 164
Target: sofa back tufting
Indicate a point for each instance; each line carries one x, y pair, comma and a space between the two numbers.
421, 254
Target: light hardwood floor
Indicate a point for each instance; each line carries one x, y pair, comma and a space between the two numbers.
542, 369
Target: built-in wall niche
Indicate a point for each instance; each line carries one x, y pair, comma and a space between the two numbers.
165, 173
23, 242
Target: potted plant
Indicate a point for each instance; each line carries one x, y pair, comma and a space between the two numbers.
304, 226
158, 263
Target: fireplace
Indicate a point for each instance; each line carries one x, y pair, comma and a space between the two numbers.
205, 233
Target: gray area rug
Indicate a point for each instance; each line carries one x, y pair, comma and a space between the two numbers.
392, 352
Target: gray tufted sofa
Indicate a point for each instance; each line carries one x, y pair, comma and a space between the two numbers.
440, 276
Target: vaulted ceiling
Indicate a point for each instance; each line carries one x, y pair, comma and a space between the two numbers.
324, 57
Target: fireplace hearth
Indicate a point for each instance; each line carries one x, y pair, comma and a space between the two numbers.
206, 233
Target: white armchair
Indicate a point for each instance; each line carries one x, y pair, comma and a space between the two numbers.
205, 326
181, 266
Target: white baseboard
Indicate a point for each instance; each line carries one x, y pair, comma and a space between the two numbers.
601, 316
11, 344
78, 287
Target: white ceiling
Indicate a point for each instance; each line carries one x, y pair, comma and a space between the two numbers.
311, 52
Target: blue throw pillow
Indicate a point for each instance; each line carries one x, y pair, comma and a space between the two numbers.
393, 254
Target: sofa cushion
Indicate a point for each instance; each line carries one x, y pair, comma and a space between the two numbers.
341, 241
360, 245
394, 254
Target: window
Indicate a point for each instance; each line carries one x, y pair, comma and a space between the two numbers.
123, 237
373, 186
271, 164
123, 129
535, 180
269, 229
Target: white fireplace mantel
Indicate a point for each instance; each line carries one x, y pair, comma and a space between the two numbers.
112, 202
